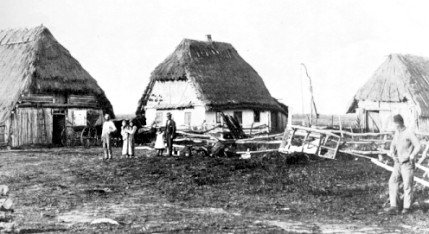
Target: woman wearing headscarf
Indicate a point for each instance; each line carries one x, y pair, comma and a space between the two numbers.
131, 130
125, 138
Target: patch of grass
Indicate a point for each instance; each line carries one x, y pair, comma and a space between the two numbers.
148, 194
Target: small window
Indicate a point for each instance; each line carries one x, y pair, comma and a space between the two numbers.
239, 116
218, 117
256, 116
159, 118
188, 118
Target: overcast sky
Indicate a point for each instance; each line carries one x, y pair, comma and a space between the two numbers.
342, 42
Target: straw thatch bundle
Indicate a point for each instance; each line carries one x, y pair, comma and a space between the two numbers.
401, 78
32, 61
222, 78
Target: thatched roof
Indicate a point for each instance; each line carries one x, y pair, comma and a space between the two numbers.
221, 77
401, 78
32, 61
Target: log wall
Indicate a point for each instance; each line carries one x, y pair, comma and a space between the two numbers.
82, 100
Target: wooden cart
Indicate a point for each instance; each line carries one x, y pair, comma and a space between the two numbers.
86, 136
80, 135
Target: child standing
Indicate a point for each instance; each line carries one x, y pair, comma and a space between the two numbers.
159, 143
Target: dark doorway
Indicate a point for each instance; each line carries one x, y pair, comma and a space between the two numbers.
274, 121
59, 123
373, 121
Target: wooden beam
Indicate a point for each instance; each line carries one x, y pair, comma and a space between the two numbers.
278, 142
258, 151
389, 168
326, 132
54, 105
361, 134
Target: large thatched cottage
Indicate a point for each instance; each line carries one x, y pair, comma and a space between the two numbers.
43, 89
203, 78
399, 86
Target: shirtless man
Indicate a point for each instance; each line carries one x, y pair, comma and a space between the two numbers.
403, 149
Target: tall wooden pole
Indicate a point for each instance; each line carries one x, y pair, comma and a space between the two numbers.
312, 102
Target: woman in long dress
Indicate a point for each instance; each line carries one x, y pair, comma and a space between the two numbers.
131, 130
125, 138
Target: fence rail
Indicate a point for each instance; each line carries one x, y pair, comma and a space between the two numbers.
346, 121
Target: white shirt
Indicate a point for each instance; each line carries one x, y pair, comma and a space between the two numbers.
108, 127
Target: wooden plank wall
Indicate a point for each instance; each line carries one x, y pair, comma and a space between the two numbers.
82, 100
282, 122
32, 126
2, 135
37, 98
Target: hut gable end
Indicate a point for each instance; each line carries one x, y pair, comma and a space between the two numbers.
400, 79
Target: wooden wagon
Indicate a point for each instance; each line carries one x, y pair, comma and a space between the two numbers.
85, 135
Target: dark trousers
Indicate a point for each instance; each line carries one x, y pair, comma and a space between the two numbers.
169, 139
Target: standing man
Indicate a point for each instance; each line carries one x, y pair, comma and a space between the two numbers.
108, 128
403, 150
170, 133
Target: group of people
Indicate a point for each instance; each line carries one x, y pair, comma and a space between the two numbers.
404, 149
167, 135
128, 131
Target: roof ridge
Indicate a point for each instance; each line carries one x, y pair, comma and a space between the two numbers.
15, 43
21, 35
24, 28
204, 41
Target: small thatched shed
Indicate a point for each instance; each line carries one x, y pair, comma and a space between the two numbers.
200, 79
43, 89
399, 86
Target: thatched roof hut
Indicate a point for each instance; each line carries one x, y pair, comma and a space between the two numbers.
44, 90
222, 78
401, 82
401, 78
32, 61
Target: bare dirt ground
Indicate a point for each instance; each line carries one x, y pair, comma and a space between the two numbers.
64, 190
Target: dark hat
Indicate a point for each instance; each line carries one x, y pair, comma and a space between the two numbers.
398, 119
168, 114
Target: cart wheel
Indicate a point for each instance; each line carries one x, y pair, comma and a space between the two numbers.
89, 137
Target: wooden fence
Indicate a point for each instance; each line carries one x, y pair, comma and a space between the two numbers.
347, 121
